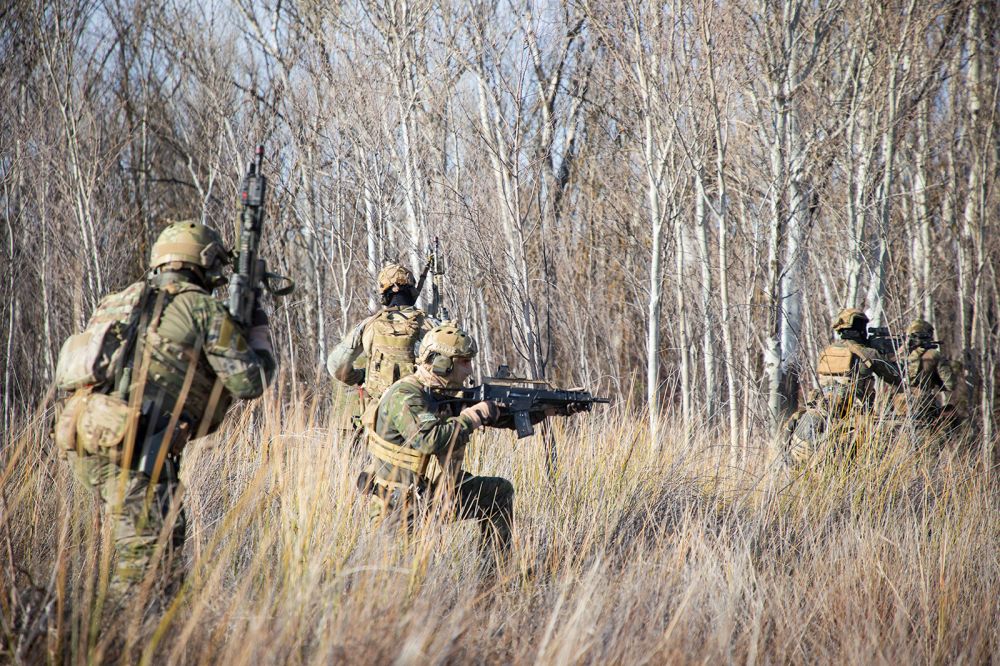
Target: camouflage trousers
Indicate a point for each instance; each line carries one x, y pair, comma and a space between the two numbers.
489, 500
136, 525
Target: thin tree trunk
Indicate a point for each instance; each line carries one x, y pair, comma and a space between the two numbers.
707, 291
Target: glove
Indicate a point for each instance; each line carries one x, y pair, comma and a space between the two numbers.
482, 413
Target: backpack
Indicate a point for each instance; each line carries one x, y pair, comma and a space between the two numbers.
93, 420
98, 354
393, 349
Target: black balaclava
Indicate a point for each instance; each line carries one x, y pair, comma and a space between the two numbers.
859, 331
405, 297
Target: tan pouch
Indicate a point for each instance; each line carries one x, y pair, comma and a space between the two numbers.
834, 361
64, 432
100, 429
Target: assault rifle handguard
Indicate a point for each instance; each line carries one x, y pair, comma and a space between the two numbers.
523, 402
250, 274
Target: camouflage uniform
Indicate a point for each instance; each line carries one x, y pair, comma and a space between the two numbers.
396, 329
933, 381
190, 319
847, 369
387, 342
418, 442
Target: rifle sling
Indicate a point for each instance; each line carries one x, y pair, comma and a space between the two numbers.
138, 387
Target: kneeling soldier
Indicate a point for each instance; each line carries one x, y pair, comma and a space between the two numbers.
418, 438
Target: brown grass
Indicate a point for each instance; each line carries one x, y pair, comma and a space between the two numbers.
626, 556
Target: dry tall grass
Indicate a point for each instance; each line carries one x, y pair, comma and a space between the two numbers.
627, 556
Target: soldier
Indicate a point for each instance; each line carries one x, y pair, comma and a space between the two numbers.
388, 339
934, 381
847, 369
417, 441
194, 360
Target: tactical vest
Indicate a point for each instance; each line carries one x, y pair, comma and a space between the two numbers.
922, 368
395, 335
845, 375
97, 364
425, 468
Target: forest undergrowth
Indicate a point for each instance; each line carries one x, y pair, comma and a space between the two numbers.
623, 554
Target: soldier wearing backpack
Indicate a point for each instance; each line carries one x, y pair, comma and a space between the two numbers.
847, 370
158, 365
388, 339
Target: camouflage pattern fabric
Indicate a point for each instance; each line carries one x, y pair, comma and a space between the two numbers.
360, 341
933, 383
412, 417
847, 370
135, 526
190, 314
191, 317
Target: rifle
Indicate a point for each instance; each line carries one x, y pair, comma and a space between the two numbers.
523, 402
435, 266
250, 273
880, 339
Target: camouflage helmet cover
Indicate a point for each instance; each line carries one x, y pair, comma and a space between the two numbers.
394, 275
846, 319
448, 340
920, 328
189, 242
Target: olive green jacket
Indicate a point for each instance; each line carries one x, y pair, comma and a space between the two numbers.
410, 415
192, 318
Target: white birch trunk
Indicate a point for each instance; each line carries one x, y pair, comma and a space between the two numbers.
372, 258
707, 291
921, 209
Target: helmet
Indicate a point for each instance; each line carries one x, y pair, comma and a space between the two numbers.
850, 318
920, 328
189, 242
448, 340
393, 276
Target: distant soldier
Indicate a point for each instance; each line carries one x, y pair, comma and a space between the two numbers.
388, 339
933, 381
846, 369
417, 440
158, 364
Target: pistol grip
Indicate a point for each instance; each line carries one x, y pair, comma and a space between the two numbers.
522, 422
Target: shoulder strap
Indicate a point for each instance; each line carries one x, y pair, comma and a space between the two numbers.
136, 389
123, 373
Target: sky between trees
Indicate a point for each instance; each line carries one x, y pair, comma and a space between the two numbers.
667, 201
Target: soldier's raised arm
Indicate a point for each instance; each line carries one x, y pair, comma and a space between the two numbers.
340, 362
245, 363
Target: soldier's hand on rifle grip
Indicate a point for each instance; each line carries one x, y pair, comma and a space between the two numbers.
482, 413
